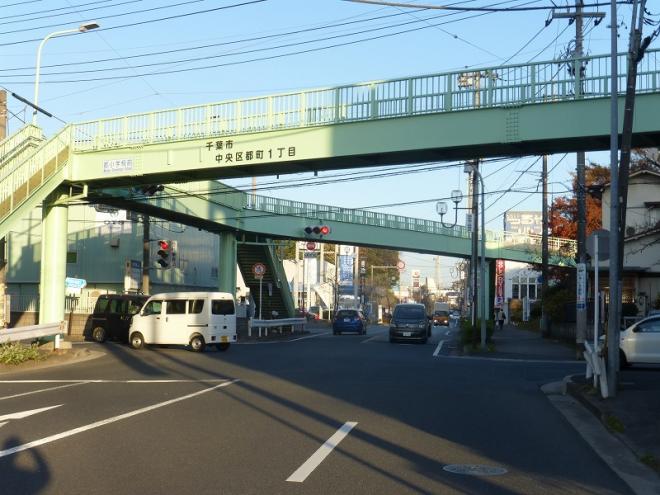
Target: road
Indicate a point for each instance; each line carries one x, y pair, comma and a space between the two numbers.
324, 414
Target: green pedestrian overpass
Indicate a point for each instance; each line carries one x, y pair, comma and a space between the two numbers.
512, 110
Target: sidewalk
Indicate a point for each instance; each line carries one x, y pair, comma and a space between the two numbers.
633, 416
514, 343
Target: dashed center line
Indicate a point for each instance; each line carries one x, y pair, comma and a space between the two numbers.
437, 349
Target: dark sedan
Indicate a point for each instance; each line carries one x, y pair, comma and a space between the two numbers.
409, 322
349, 320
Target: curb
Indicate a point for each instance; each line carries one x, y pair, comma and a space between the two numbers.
89, 355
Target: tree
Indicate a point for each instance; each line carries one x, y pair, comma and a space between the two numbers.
563, 211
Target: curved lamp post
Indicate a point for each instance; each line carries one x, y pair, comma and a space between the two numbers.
441, 207
83, 28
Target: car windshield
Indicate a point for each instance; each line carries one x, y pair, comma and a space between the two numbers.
344, 313
441, 313
409, 312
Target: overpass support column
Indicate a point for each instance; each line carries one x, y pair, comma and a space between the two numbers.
227, 263
55, 220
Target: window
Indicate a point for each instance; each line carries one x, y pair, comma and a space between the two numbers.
532, 291
214, 272
153, 307
176, 307
652, 326
523, 290
515, 289
117, 306
101, 305
72, 257
222, 307
195, 306
134, 307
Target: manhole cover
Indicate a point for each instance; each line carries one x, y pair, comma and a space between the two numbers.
474, 469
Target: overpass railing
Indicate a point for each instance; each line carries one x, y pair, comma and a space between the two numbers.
509, 240
509, 85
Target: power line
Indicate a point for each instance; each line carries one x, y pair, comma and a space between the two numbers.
51, 15
140, 23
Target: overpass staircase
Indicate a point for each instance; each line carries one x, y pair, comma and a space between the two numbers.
275, 278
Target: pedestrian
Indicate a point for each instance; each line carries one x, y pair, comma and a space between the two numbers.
501, 317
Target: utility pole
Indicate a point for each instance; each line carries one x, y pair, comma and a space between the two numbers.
619, 184
146, 249
4, 308
544, 249
578, 68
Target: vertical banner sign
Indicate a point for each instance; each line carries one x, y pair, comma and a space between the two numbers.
499, 283
581, 295
346, 270
132, 275
415, 278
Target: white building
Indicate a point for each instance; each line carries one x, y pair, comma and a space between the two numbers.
641, 259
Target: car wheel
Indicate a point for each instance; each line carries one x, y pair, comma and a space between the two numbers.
222, 346
137, 340
623, 360
99, 334
197, 343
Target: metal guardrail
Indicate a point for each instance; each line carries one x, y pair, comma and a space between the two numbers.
32, 332
266, 324
510, 85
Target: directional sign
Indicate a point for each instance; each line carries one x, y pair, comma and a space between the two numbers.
24, 414
259, 269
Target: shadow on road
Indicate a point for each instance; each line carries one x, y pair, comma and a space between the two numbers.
25, 473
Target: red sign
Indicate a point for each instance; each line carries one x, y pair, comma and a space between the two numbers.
258, 269
499, 283
311, 246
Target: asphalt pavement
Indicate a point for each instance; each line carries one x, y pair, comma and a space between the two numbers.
316, 414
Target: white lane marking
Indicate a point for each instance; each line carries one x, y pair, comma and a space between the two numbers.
81, 429
448, 333
437, 349
25, 414
42, 390
210, 380
323, 451
3, 424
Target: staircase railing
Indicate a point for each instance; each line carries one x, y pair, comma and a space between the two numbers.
22, 140
20, 182
280, 275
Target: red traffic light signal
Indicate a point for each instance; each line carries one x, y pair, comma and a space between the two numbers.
163, 253
319, 230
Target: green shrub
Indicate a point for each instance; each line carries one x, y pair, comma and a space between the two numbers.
471, 336
17, 353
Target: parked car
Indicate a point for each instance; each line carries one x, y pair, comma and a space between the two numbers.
441, 317
349, 320
113, 314
640, 342
409, 322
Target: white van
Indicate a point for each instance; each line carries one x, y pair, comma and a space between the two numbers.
186, 318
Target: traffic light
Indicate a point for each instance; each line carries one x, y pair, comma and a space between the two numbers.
163, 253
319, 230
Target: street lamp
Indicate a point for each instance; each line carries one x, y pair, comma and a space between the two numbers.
83, 28
441, 207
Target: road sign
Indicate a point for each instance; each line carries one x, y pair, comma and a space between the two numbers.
259, 269
75, 283
311, 246
401, 265
603, 237
581, 295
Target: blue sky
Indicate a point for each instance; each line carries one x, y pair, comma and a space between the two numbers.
242, 33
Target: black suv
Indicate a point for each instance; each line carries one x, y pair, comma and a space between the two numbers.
112, 316
410, 322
